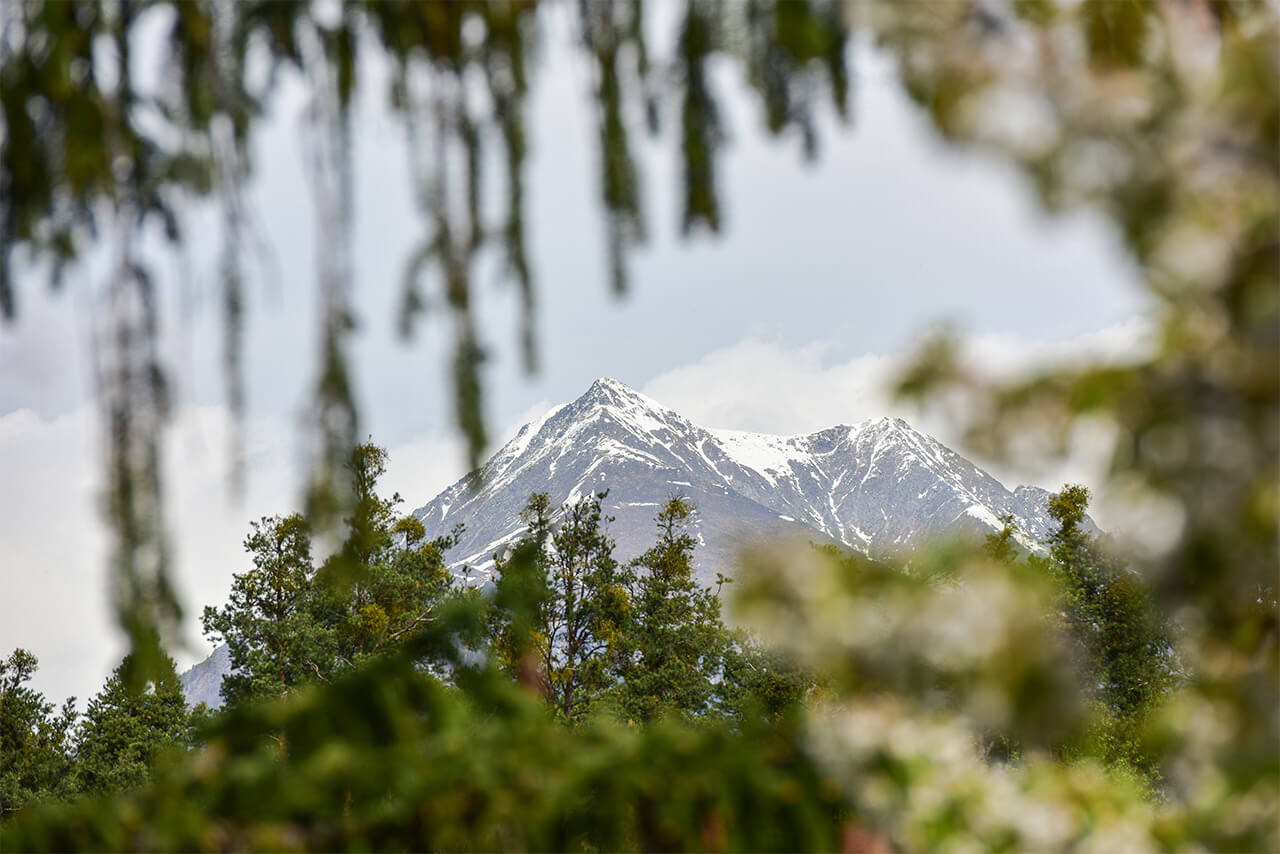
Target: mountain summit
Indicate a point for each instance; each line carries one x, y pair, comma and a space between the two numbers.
879, 486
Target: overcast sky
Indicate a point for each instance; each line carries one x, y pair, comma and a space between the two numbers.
790, 322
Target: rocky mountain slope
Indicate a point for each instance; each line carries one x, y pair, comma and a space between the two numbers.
203, 682
878, 487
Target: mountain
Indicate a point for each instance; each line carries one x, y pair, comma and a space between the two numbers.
879, 487
203, 682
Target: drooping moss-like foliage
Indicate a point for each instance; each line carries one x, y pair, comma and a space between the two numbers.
116, 115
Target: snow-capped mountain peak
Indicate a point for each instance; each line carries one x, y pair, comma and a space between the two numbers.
606, 391
877, 486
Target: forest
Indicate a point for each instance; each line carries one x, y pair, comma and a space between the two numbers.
567, 641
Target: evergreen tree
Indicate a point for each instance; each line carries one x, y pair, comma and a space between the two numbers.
1109, 610
267, 622
288, 623
577, 624
1069, 543
1001, 546
586, 612
124, 731
385, 580
675, 640
757, 684
395, 595
35, 741
369, 527
516, 623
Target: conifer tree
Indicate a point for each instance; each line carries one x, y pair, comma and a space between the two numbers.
125, 731
1110, 611
35, 741
1001, 546
586, 612
676, 639
288, 622
517, 619
757, 684
267, 622
1125, 648
578, 624
385, 580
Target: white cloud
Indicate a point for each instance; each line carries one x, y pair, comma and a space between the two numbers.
55, 599
56, 546
1009, 357
765, 386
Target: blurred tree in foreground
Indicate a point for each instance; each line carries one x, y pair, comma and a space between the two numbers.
1164, 114
1122, 644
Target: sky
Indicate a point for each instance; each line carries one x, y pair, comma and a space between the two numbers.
828, 275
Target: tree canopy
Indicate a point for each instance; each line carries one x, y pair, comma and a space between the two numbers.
125, 733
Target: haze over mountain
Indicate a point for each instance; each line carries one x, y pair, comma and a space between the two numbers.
878, 486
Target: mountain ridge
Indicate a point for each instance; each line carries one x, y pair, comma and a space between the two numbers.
878, 486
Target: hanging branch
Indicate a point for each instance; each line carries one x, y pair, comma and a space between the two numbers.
82, 152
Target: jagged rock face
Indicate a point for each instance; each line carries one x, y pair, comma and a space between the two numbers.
878, 487
203, 682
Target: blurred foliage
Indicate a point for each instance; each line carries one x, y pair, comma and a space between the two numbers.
1121, 644
959, 633
1166, 116
1163, 114
388, 757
